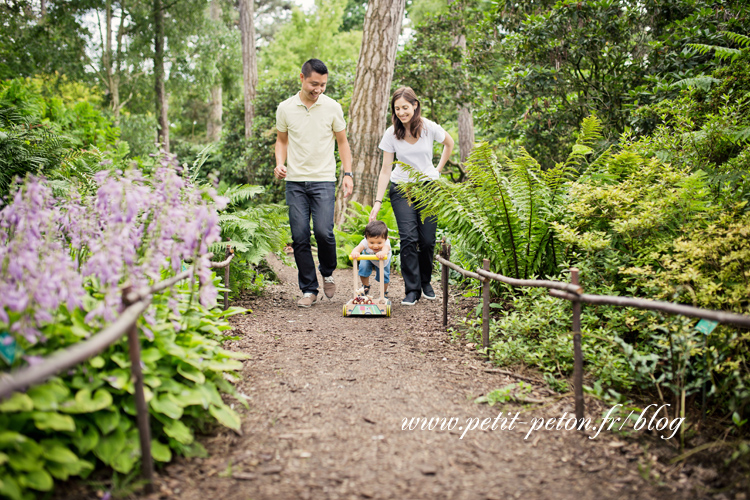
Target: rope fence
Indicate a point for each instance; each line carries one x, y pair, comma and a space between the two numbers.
572, 292
136, 303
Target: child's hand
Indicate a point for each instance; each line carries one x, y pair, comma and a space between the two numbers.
382, 255
354, 255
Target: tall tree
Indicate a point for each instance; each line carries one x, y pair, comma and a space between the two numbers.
215, 106
463, 96
111, 70
249, 62
54, 42
370, 97
311, 34
162, 128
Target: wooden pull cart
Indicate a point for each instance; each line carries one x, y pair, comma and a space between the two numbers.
369, 306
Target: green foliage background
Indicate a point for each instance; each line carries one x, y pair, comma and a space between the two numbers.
612, 136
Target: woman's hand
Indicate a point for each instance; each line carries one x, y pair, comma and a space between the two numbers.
374, 212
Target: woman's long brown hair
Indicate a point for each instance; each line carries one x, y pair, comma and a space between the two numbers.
415, 124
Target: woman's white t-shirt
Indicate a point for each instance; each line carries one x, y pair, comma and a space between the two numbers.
418, 155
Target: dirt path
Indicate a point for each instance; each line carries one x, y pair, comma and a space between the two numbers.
328, 395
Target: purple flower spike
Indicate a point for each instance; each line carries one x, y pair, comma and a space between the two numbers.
60, 251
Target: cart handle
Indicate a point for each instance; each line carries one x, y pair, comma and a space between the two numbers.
367, 257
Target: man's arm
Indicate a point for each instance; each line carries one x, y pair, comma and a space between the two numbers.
345, 153
282, 142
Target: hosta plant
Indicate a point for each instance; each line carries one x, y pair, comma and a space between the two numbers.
63, 262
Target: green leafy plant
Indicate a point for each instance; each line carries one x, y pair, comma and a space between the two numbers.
724, 53
511, 392
505, 209
252, 231
69, 425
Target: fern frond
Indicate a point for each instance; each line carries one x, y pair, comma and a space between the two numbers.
741, 40
740, 136
255, 231
218, 248
591, 131
200, 160
722, 53
491, 190
457, 207
702, 82
241, 193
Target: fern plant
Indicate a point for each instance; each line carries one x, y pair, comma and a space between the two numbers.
26, 149
503, 212
724, 54
30, 144
253, 231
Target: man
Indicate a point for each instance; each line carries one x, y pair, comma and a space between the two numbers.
306, 126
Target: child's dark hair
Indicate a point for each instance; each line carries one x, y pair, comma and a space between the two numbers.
375, 229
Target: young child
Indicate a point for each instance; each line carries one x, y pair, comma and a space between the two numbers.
375, 243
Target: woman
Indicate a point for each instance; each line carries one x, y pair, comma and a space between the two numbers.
410, 140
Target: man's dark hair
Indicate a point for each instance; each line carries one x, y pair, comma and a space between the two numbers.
375, 229
315, 65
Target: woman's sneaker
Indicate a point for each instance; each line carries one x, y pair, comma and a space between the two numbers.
428, 293
410, 299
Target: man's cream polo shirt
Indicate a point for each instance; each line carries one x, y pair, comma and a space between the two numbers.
311, 137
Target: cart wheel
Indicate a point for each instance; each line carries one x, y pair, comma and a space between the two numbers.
388, 311
345, 310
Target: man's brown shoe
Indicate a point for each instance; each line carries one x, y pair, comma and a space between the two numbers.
329, 287
307, 300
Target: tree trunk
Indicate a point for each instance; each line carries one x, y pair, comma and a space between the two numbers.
117, 105
213, 129
465, 132
370, 98
213, 132
111, 58
162, 128
249, 62
42, 8
107, 59
465, 116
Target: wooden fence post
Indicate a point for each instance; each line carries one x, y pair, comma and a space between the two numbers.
486, 307
445, 250
578, 354
144, 428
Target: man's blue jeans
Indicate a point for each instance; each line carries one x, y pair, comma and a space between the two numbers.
316, 200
